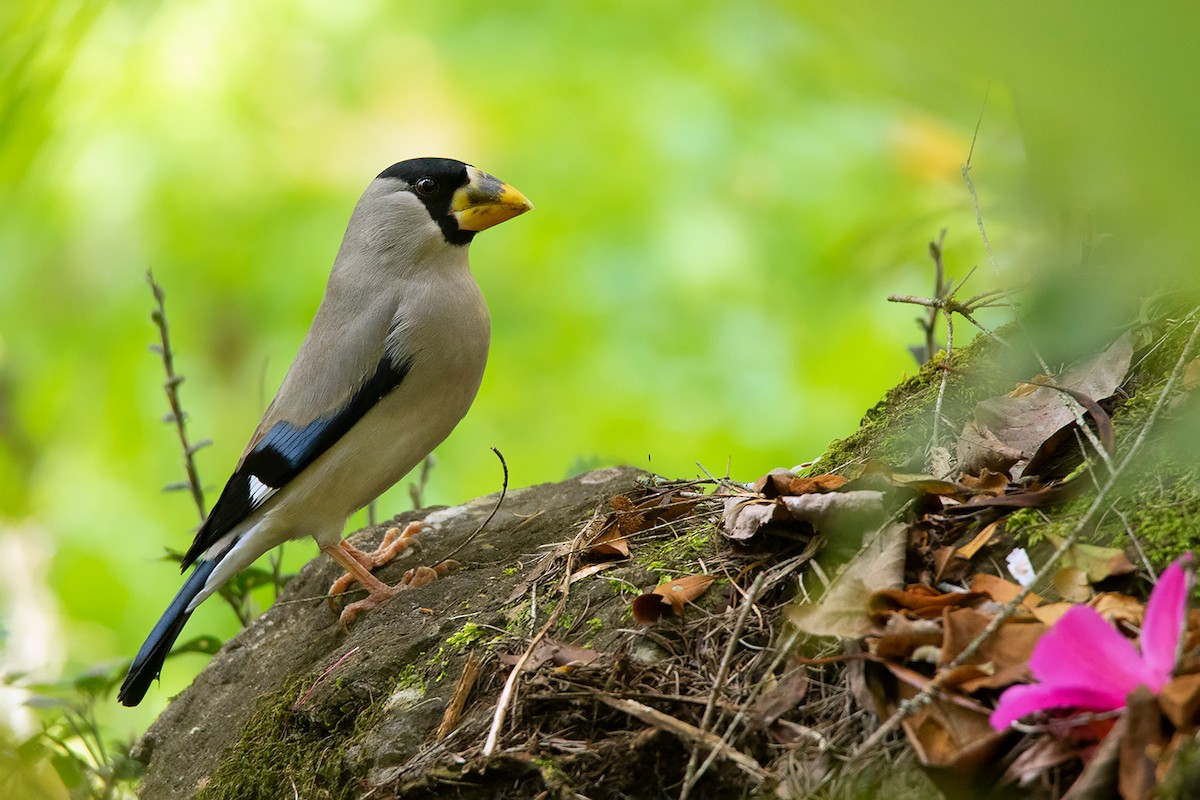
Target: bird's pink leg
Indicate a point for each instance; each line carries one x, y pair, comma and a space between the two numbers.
358, 565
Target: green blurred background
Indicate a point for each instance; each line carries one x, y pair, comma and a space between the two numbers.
726, 193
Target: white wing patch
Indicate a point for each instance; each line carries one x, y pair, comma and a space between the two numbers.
259, 491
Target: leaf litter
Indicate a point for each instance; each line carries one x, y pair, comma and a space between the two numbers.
731, 658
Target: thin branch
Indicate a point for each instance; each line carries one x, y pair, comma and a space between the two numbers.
510, 685
681, 729
171, 387
693, 774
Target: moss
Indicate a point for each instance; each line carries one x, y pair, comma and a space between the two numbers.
285, 753
465, 636
665, 555
897, 429
410, 679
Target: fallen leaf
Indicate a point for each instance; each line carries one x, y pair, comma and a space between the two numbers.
953, 741
842, 610
1072, 584
1142, 743
1180, 701
1051, 613
550, 651
609, 542
987, 483
589, 571
854, 511
745, 515
786, 694
670, 596
1007, 432
1095, 561
1043, 754
780, 482
1116, 607
1030, 386
981, 540
1002, 591
1004, 655
917, 600
903, 636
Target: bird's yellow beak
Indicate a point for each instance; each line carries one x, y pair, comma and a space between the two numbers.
486, 201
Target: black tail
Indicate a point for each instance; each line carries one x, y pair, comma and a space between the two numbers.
149, 660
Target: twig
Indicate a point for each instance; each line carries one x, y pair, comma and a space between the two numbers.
652, 716
304, 697
1074, 407
416, 490
692, 774
495, 508
510, 685
925, 695
458, 701
171, 387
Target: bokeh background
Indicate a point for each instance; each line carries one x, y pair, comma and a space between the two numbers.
726, 193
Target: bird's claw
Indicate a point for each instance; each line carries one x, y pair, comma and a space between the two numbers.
418, 576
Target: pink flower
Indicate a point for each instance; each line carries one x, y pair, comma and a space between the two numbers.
1083, 663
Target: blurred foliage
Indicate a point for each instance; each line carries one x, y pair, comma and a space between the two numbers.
726, 193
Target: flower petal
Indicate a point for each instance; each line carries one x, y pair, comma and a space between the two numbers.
1017, 701
1083, 651
1166, 612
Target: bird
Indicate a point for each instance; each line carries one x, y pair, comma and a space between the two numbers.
392, 361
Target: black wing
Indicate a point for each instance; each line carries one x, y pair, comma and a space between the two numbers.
283, 453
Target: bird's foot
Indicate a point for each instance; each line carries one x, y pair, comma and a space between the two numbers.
395, 542
358, 565
418, 576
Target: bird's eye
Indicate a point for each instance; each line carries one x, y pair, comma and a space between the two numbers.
426, 187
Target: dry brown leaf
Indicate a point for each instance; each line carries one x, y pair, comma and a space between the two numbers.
670, 596
780, 482
1052, 613
786, 694
609, 542
927, 484
1043, 754
1007, 432
745, 515
981, 540
956, 741
856, 511
1180, 701
550, 651
1002, 590
1116, 607
948, 565
987, 483
1072, 584
917, 600
1142, 743
842, 611
903, 636
1003, 659
589, 571
1030, 386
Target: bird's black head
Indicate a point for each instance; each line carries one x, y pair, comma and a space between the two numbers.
461, 199
434, 181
